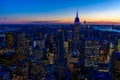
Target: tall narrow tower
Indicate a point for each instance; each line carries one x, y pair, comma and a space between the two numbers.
76, 29
77, 21
61, 49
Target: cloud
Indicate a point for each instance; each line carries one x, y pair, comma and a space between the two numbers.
3, 18
42, 22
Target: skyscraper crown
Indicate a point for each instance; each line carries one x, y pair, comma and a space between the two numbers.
77, 21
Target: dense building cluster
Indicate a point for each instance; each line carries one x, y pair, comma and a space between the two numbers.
59, 52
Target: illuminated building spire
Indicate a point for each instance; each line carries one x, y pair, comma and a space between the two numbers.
77, 14
77, 19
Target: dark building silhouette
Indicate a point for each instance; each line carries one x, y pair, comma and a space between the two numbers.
61, 49
115, 65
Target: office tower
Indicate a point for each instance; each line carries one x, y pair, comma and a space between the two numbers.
111, 50
8, 58
76, 29
91, 52
27, 41
66, 46
69, 35
69, 41
28, 46
50, 43
61, 61
2, 40
76, 36
20, 40
61, 49
115, 66
117, 45
104, 52
38, 70
40, 35
51, 58
38, 49
51, 65
33, 69
9, 40
20, 45
21, 71
102, 56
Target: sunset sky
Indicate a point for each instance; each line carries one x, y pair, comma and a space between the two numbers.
23, 11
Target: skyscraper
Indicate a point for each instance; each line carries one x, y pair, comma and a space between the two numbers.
76, 29
76, 38
91, 52
9, 40
115, 66
2, 40
20, 44
20, 40
61, 49
77, 21
61, 61
117, 46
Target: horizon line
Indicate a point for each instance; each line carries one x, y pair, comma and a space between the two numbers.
64, 22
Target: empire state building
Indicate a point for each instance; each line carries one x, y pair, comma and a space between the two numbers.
76, 29
77, 21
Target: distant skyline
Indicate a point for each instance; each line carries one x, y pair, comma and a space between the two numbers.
59, 11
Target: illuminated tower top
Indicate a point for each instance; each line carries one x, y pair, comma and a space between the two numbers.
77, 21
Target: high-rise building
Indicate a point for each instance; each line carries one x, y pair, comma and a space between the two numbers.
21, 72
115, 66
111, 50
28, 47
91, 52
9, 40
20, 45
38, 49
66, 46
104, 52
102, 56
20, 40
76, 29
61, 61
2, 40
117, 46
61, 49
51, 58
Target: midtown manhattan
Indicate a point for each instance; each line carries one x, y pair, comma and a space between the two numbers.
59, 40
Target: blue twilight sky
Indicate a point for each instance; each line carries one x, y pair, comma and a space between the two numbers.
59, 10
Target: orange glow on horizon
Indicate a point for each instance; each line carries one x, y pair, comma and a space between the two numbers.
64, 20
96, 21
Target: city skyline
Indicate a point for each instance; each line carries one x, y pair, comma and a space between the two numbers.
59, 40
36, 11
